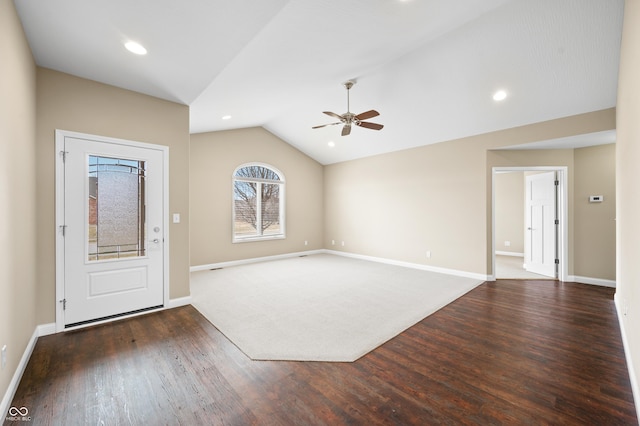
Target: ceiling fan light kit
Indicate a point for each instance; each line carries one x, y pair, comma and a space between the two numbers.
349, 118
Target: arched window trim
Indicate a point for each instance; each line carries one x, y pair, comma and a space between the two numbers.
259, 234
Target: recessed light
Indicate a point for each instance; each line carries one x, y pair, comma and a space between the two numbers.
226, 117
500, 95
136, 48
331, 144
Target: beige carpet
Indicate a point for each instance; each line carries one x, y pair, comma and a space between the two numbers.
321, 307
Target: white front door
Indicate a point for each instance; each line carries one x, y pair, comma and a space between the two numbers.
113, 228
540, 233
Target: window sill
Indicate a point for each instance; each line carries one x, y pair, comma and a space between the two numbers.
258, 238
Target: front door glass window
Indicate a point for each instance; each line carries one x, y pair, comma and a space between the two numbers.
116, 208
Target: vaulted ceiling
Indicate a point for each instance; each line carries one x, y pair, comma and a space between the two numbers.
430, 67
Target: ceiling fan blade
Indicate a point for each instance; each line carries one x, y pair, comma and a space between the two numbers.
324, 125
333, 114
346, 130
374, 126
368, 114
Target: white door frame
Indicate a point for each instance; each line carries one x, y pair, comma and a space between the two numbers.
563, 215
60, 136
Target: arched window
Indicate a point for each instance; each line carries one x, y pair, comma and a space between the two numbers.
258, 203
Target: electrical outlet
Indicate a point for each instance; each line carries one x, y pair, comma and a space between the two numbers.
306, 242
428, 254
507, 243
343, 244
333, 242
4, 356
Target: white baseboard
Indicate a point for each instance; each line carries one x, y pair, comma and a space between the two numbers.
454, 272
635, 387
509, 253
252, 260
17, 375
592, 281
46, 329
181, 301
345, 254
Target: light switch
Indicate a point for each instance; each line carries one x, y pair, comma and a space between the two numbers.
176, 218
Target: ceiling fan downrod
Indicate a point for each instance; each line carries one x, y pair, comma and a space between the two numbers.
348, 84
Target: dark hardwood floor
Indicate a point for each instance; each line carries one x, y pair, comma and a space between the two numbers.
508, 352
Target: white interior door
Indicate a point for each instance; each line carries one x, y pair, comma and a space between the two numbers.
540, 235
113, 229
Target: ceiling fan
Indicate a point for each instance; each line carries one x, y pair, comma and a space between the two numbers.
349, 118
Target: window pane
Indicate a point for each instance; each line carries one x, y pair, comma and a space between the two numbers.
257, 202
257, 172
116, 208
270, 209
245, 199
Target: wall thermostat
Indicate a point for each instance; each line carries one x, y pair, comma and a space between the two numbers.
595, 198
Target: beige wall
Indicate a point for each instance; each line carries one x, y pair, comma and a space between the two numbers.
441, 195
594, 223
17, 192
509, 211
214, 157
628, 195
401, 205
70, 103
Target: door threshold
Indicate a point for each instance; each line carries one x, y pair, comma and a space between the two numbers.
110, 318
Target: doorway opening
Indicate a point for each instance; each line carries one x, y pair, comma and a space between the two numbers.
529, 235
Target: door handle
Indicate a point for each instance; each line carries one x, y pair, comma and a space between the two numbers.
155, 240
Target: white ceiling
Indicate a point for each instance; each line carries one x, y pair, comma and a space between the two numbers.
428, 66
